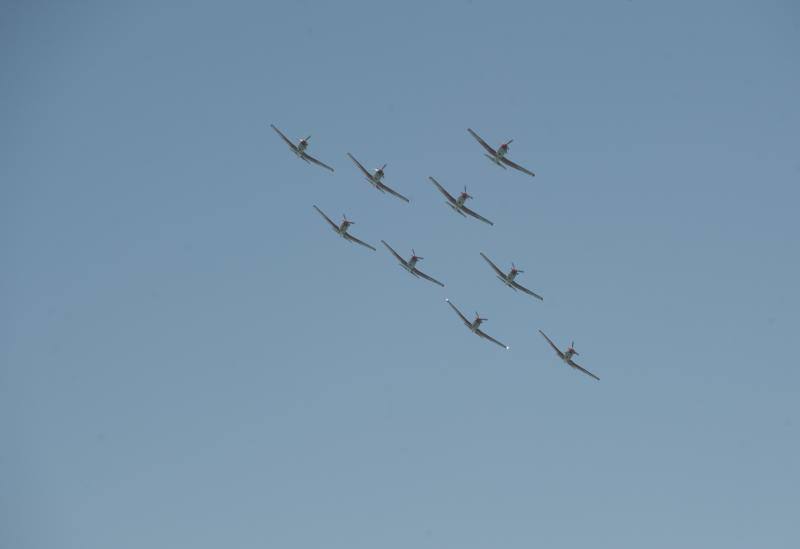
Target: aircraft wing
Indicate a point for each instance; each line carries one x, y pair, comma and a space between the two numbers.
360, 167
328, 219
286, 139
496, 269
351, 238
553, 345
426, 277
584, 370
508, 162
394, 253
520, 287
475, 215
482, 142
444, 192
389, 190
317, 162
484, 335
467, 322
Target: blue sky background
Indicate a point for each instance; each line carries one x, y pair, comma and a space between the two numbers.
190, 357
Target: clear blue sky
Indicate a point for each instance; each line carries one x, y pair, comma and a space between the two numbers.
189, 357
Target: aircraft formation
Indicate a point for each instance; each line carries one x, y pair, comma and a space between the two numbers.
375, 178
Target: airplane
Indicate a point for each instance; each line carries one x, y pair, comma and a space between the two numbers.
508, 279
341, 230
411, 264
375, 178
499, 156
300, 149
474, 326
458, 203
567, 356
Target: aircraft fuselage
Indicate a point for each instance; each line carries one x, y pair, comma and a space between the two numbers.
507, 281
456, 208
497, 158
375, 181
